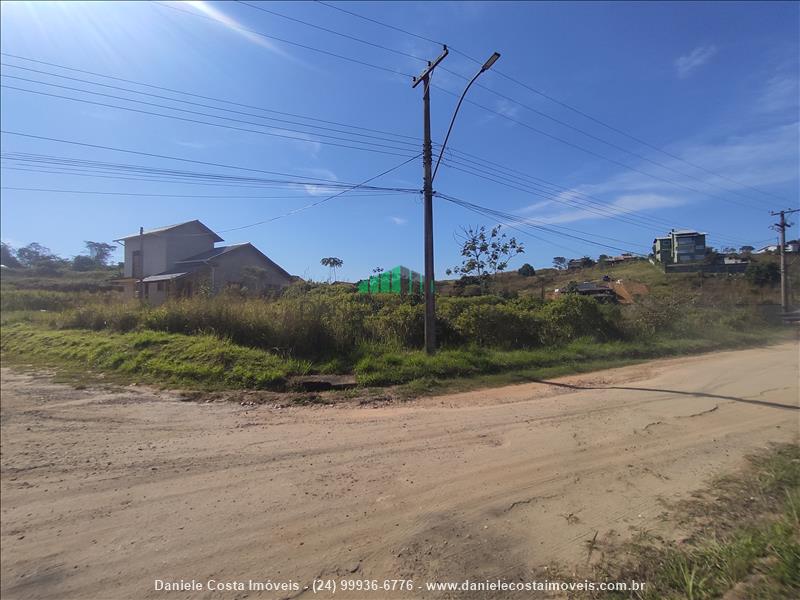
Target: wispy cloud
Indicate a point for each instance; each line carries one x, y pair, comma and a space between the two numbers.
399, 220
758, 159
507, 109
321, 189
696, 58
194, 145
781, 92
234, 25
306, 144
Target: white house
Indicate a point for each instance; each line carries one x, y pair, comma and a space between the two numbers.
791, 246
180, 260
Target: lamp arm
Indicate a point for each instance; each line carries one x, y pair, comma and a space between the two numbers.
452, 121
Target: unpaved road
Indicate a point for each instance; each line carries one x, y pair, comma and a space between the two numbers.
105, 491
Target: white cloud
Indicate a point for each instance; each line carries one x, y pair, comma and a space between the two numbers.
321, 189
696, 58
781, 92
758, 159
507, 109
234, 25
306, 143
399, 220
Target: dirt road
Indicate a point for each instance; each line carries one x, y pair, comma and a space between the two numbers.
105, 491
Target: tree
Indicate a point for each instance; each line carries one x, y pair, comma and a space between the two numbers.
711, 257
332, 263
603, 258
8, 256
728, 250
560, 263
83, 263
35, 255
762, 274
100, 252
526, 270
485, 253
377, 270
587, 262
746, 250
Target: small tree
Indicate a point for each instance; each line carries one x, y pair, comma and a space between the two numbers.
332, 263
526, 270
485, 253
35, 255
763, 274
711, 257
559, 262
603, 258
100, 252
746, 250
83, 263
587, 262
8, 256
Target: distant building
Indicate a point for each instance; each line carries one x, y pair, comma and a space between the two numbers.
575, 263
680, 246
180, 260
791, 246
599, 292
624, 257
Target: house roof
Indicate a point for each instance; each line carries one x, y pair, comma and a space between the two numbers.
687, 232
158, 230
198, 260
165, 276
213, 253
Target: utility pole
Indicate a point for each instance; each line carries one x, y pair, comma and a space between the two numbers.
141, 265
781, 227
427, 169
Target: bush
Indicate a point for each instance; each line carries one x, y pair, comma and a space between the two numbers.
571, 316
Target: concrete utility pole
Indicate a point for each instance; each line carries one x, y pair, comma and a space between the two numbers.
781, 227
427, 168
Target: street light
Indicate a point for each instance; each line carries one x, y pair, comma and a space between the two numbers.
428, 175
486, 66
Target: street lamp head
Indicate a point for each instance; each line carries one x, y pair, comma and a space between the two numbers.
488, 64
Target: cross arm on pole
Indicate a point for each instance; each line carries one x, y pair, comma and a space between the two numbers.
429, 69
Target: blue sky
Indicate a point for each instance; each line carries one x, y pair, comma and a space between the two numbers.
714, 85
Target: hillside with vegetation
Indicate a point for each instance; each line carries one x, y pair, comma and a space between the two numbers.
508, 327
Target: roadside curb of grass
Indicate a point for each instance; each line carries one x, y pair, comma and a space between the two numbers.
81, 358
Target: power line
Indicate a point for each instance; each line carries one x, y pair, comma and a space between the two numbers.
219, 100
596, 154
334, 32
598, 208
226, 110
504, 96
38, 159
203, 97
164, 156
322, 201
356, 193
196, 121
554, 100
284, 41
525, 222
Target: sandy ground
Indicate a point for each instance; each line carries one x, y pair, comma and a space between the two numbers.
105, 491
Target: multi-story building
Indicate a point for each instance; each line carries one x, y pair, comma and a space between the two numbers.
680, 246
